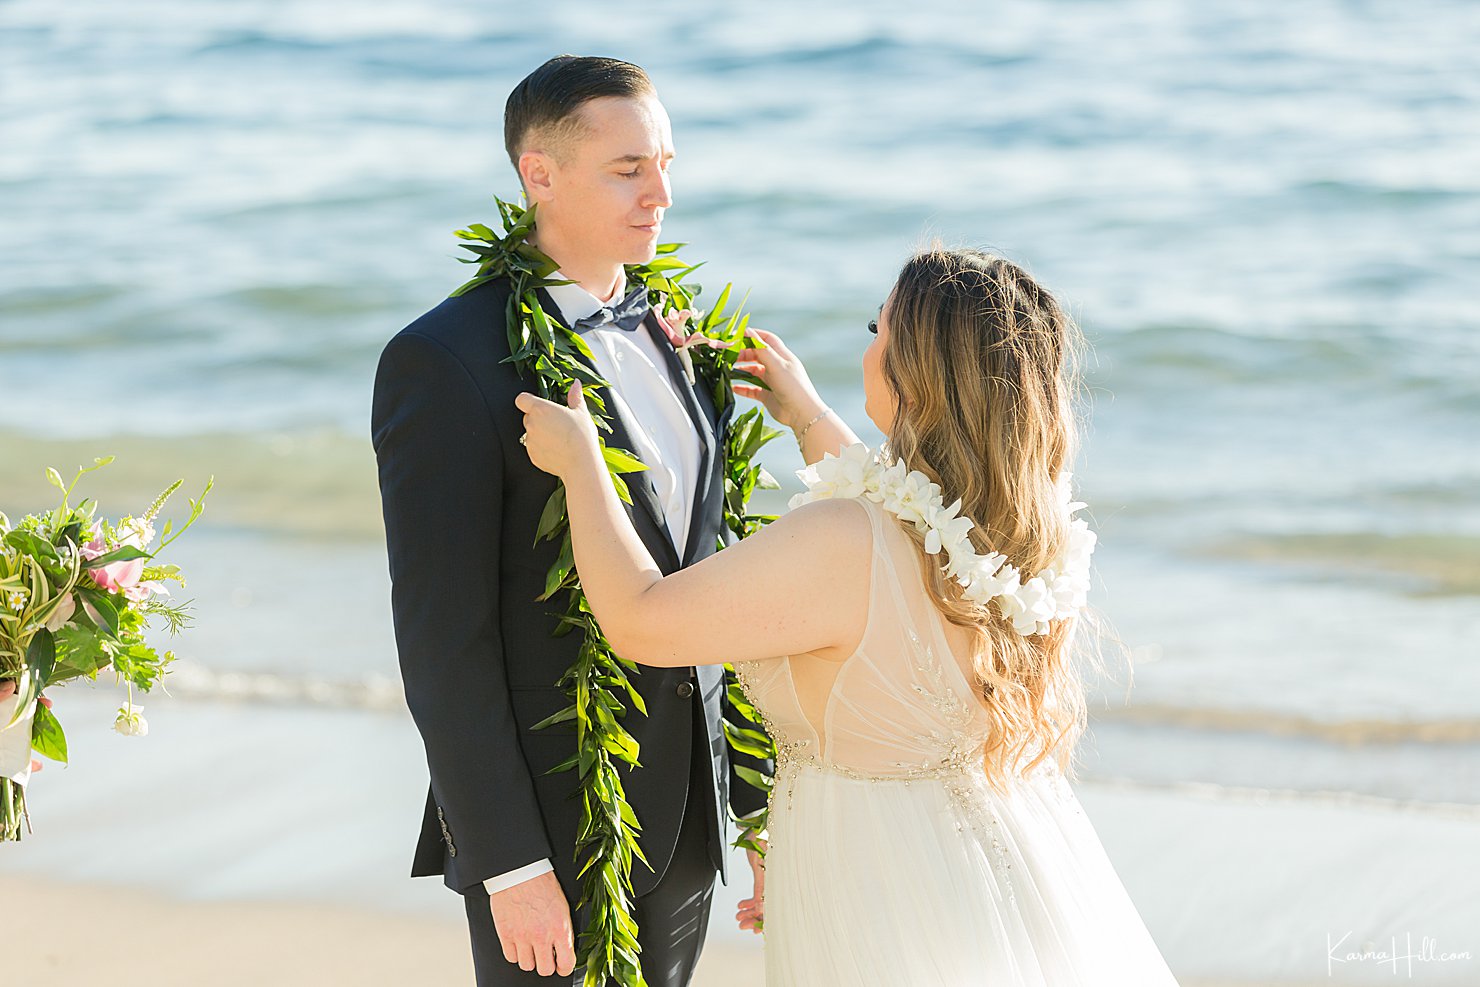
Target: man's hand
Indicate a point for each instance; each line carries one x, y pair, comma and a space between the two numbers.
532, 920
7, 689
753, 909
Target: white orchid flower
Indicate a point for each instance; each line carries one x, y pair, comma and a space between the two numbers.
1058, 591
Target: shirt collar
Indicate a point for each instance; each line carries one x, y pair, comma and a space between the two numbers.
576, 302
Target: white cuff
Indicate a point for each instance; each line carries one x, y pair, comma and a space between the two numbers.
506, 880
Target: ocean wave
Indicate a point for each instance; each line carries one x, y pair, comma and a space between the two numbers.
1350, 732
372, 693
1429, 564
382, 693
1264, 796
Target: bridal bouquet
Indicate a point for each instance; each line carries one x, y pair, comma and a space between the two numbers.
77, 593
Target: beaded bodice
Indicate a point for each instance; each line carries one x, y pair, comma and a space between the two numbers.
900, 707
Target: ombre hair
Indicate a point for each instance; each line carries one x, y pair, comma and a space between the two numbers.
982, 363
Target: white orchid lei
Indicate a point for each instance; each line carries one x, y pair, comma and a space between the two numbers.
1058, 591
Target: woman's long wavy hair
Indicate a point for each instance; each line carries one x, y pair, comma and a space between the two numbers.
983, 365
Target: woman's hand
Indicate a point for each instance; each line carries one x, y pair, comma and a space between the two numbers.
7, 689
558, 438
791, 400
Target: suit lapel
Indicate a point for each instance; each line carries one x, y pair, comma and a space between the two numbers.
700, 406
649, 520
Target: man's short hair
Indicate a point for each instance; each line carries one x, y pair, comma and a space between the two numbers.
543, 110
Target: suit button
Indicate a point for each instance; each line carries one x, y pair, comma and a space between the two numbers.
685, 690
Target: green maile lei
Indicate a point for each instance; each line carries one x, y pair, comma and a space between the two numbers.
597, 683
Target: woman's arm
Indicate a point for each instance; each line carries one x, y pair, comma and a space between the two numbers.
799, 584
827, 434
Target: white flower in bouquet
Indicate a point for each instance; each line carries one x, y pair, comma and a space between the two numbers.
136, 532
131, 722
63, 613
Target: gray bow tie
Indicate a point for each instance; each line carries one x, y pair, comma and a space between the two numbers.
626, 314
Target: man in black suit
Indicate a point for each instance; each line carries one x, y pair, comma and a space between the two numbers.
592, 146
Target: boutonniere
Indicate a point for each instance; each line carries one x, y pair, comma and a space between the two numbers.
683, 345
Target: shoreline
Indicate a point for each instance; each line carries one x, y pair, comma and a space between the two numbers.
235, 826
285, 943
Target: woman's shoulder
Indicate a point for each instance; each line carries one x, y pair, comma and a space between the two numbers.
838, 529
839, 514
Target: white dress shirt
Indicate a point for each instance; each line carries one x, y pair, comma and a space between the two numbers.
663, 435
644, 394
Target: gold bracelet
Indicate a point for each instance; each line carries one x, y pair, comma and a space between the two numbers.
802, 435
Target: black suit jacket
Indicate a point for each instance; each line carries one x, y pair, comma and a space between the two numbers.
461, 502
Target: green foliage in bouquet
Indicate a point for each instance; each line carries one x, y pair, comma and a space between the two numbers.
598, 683
77, 593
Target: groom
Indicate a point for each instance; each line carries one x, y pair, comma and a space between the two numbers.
462, 502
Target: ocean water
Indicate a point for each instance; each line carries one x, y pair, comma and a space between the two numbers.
1265, 217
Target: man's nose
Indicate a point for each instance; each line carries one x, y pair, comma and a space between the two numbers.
659, 193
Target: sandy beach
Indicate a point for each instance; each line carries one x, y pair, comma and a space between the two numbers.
138, 938
234, 846
249, 944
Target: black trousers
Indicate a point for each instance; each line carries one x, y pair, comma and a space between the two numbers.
671, 919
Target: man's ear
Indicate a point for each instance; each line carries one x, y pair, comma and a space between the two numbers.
537, 172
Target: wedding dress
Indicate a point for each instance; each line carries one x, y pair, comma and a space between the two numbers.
890, 861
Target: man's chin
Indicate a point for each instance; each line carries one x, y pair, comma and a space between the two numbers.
643, 253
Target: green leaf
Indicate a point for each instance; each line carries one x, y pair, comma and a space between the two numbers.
564, 716
124, 553
41, 656
541, 325
104, 607
558, 573
466, 287
661, 263
753, 776
754, 736
33, 545
47, 738
746, 747
621, 461
552, 515
683, 274
565, 765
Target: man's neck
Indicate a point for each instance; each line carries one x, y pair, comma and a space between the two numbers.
603, 279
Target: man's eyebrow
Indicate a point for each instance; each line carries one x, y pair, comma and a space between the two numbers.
635, 158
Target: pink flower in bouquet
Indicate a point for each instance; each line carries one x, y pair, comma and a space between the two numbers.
120, 577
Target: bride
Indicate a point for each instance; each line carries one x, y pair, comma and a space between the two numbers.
924, 601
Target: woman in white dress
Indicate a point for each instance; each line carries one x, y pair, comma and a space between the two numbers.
914, 662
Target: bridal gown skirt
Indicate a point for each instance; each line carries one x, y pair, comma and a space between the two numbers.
938, 881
